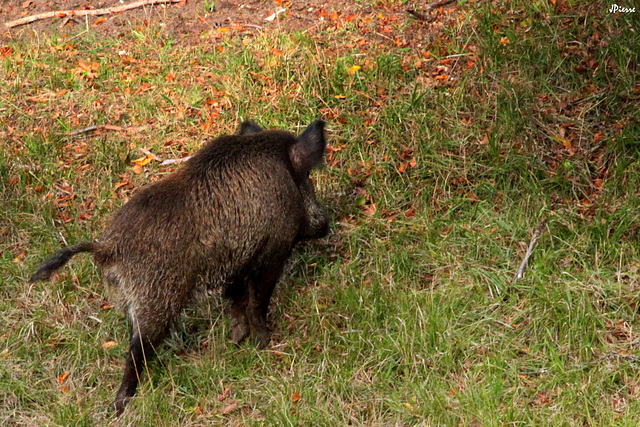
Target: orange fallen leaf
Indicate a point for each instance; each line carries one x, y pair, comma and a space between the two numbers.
230, 407
353, 69
7, 51
504, 40
137, 169
225, 394
100, 20
371, 210
109, 344
295, 397
598, 137
19, 258
62, 377
143, 160
598, 183
105, 305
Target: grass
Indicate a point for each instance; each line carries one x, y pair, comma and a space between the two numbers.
408, 313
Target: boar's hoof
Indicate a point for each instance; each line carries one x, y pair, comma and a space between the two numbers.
239, 330
119, 404
262, 339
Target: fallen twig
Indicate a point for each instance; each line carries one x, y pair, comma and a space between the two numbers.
172, 161
104, 127
426, 17
438, 4
66, 13
532, 244
420, 16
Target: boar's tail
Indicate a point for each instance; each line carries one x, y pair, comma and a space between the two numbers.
48, 267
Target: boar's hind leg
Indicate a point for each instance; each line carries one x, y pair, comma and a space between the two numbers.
260, 291
141, 350
237, 293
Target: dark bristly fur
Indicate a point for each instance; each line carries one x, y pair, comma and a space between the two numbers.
229, 217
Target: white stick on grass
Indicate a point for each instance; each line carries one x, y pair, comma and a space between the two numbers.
68, 13
532, 245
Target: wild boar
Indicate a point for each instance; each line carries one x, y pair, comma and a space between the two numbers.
229, 218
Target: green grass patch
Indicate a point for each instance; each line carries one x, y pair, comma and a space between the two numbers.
408, 313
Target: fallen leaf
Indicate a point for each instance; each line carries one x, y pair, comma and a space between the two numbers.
137, 169
353, 69
100, 20
277, 12
149, 153
143, 160
230, 407
62, 377
105, 305
371, 210
295, 397
19, 258
7, 51
225, 394
109, 344
504, 40
598, 137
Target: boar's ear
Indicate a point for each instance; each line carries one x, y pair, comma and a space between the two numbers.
249, 127
309, 147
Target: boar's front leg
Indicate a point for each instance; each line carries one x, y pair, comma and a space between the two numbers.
237, 293
260, 291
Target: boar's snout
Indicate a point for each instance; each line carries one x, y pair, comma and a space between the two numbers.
316, 221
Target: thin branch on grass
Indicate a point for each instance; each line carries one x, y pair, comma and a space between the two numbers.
172, 161
420, 16
425, 17
532, 245
66, 13
104, 127
441, 3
